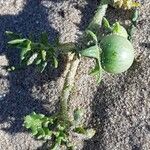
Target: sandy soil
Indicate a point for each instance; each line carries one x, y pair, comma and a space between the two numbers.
118, 108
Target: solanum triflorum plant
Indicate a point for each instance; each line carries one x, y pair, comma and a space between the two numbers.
113, 53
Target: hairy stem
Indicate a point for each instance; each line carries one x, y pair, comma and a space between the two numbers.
69, 80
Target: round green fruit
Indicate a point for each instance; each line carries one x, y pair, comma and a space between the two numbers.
117, 53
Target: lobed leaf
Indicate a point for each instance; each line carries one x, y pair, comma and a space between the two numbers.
38, 124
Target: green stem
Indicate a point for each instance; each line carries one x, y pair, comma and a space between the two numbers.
96, 22
69, 80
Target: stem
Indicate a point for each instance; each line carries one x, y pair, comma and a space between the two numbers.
69, 80
96, 22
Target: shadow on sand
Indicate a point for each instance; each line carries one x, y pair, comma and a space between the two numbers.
19, 102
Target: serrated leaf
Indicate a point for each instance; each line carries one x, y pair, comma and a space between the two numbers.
34, 131
35, 123
48, 133
32, 121
40, 134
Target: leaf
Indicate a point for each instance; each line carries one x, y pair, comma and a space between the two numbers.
116, 27
92, 52
36, 122
55, 62
31, 59
37, 60
25, 47
16, 41
105, 23
85, 133
12, 35
135, 16
33, 120
48, 133
43, 55
42, 66
78, 115
119, 30
97, 71
38, 54
89, 133
56, 147
25, 59
93, 35
57, 144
